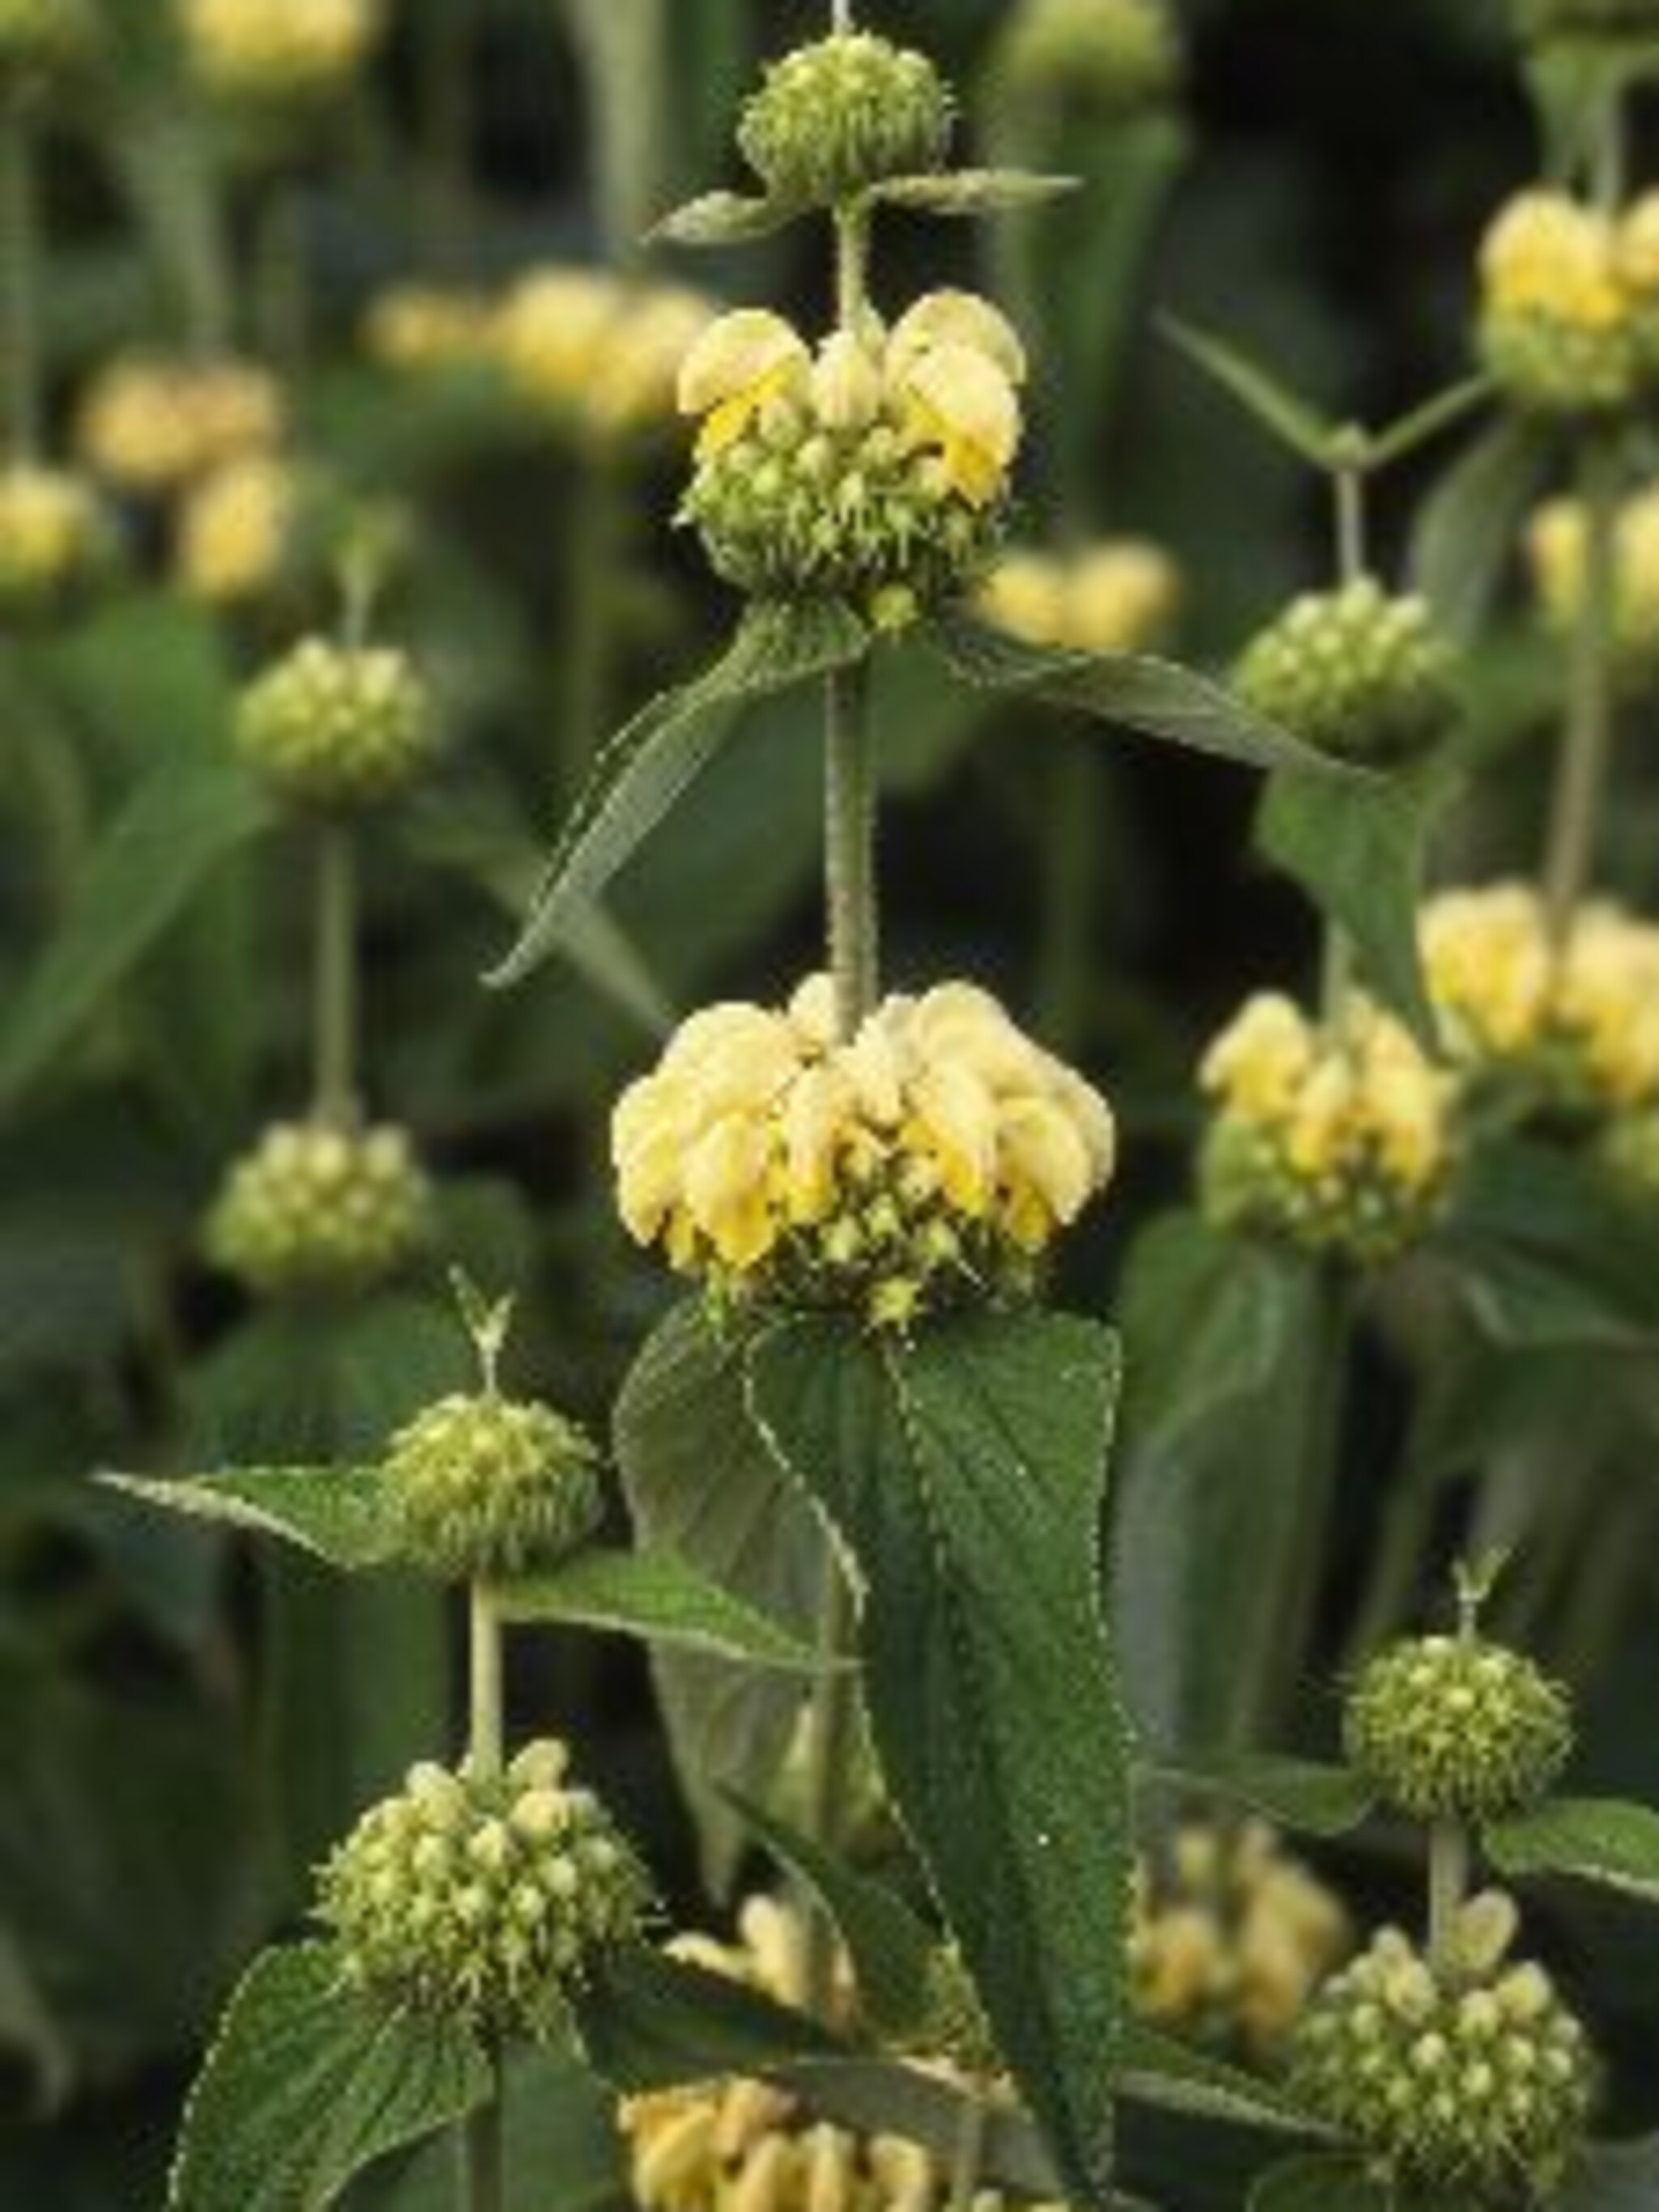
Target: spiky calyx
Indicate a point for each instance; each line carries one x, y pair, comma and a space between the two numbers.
1356, 673
315, 1209
1455, 1727
1485, 2087
338, 727
484, 1901
489, 1487
833, 118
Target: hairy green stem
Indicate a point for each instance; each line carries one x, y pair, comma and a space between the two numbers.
624, 49
20, 249
841, 17
850, 848
1582, 777
334, 1007
1448, 1888
483, 2144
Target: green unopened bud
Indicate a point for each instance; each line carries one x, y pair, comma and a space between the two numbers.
1454, 1728
57, 543
1111, 58
1354, 673
833, 118
1483, 2091
489, 1487
450, 1903
315, 1209
337, 726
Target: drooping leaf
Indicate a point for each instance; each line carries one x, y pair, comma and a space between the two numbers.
649, 2021
346, 1515
1597, 1840
1131, 691
648, 766
725, 218
185, 818
1258, 391
1467, 529
1359, 849
1159, 2071
701, 1483
1322, 2185
307, 2083
1295, 1794
971, 191
966, 1474
659, 1597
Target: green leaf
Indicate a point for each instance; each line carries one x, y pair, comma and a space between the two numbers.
1359, 852
649, 765
1161, 2072
309, 2083
1295, 1794
892, 1950
1154, 697
1261, 394
725, 218
1467, 529
971, 191
1403, 436
701, 1483
966, 1474
1614, 2177
1597, 1840
564, 2150
1321, 2184
346, 1515
657, 1597
649, 2021
185, 818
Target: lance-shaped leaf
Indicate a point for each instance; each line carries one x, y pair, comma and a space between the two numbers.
1158, 2071
971, 191
1295, 1794
346, 1515
660, 1598
965, 1474
650, 764
650, 2021
1597, 1840
1262, 395
1358, 849
1467, 530
1154, 697
309, 2083
726, 219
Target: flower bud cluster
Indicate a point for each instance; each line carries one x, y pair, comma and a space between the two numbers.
56, 542
1557, 548
337, 727
277, 54
1483, 2084
239, 531
1340, 1141
1114, 59
1355, 672
488, 1901
1571, 1030
1570, 318
874, 472
315, 1208
851, 111
1120, 595
1454, 1728
151, 424
488, 1487
929, 1160
597, 355
1232, 1936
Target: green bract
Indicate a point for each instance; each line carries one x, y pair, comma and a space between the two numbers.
833, 118
488, 1487
314, 1207
1454, 1728
337, 727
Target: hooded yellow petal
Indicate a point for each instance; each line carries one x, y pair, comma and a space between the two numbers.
734, 355
956, 318
959, 400
727, 1190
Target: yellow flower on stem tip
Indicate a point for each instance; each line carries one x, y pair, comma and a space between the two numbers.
952, 319
740, 362
960, 401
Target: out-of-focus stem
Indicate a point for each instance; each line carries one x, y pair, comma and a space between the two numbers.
850, 847
1449, 1885
19, 248
1580, 788
334, 987
484, 2178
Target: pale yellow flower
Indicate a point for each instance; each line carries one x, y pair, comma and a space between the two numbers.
847, 384
956, 318
277, 48
742, 361
152, 423
961, 401
1548, 256
1026, 595
236, 530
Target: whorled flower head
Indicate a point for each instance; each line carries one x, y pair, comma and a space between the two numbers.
488, 1487
484, 1901
1454, 1728
57, 541
418, 329
1118, 595
1116, 60
930, 1160
337, 727
1232, 1936
1571, 1031
151, 424
874, 472
1556, 549
599, 357
1568, 305
40, 40
1340, 1141
1354, 672
278, 53
238, 530
850, 111
1481, 2084
317, 1209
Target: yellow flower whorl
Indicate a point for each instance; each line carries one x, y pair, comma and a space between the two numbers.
1118, 595
56, 541
598, 356
152, 423
237, 531
1570, 314
1557, 557
1340, 1141
930, 1160
278, 53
